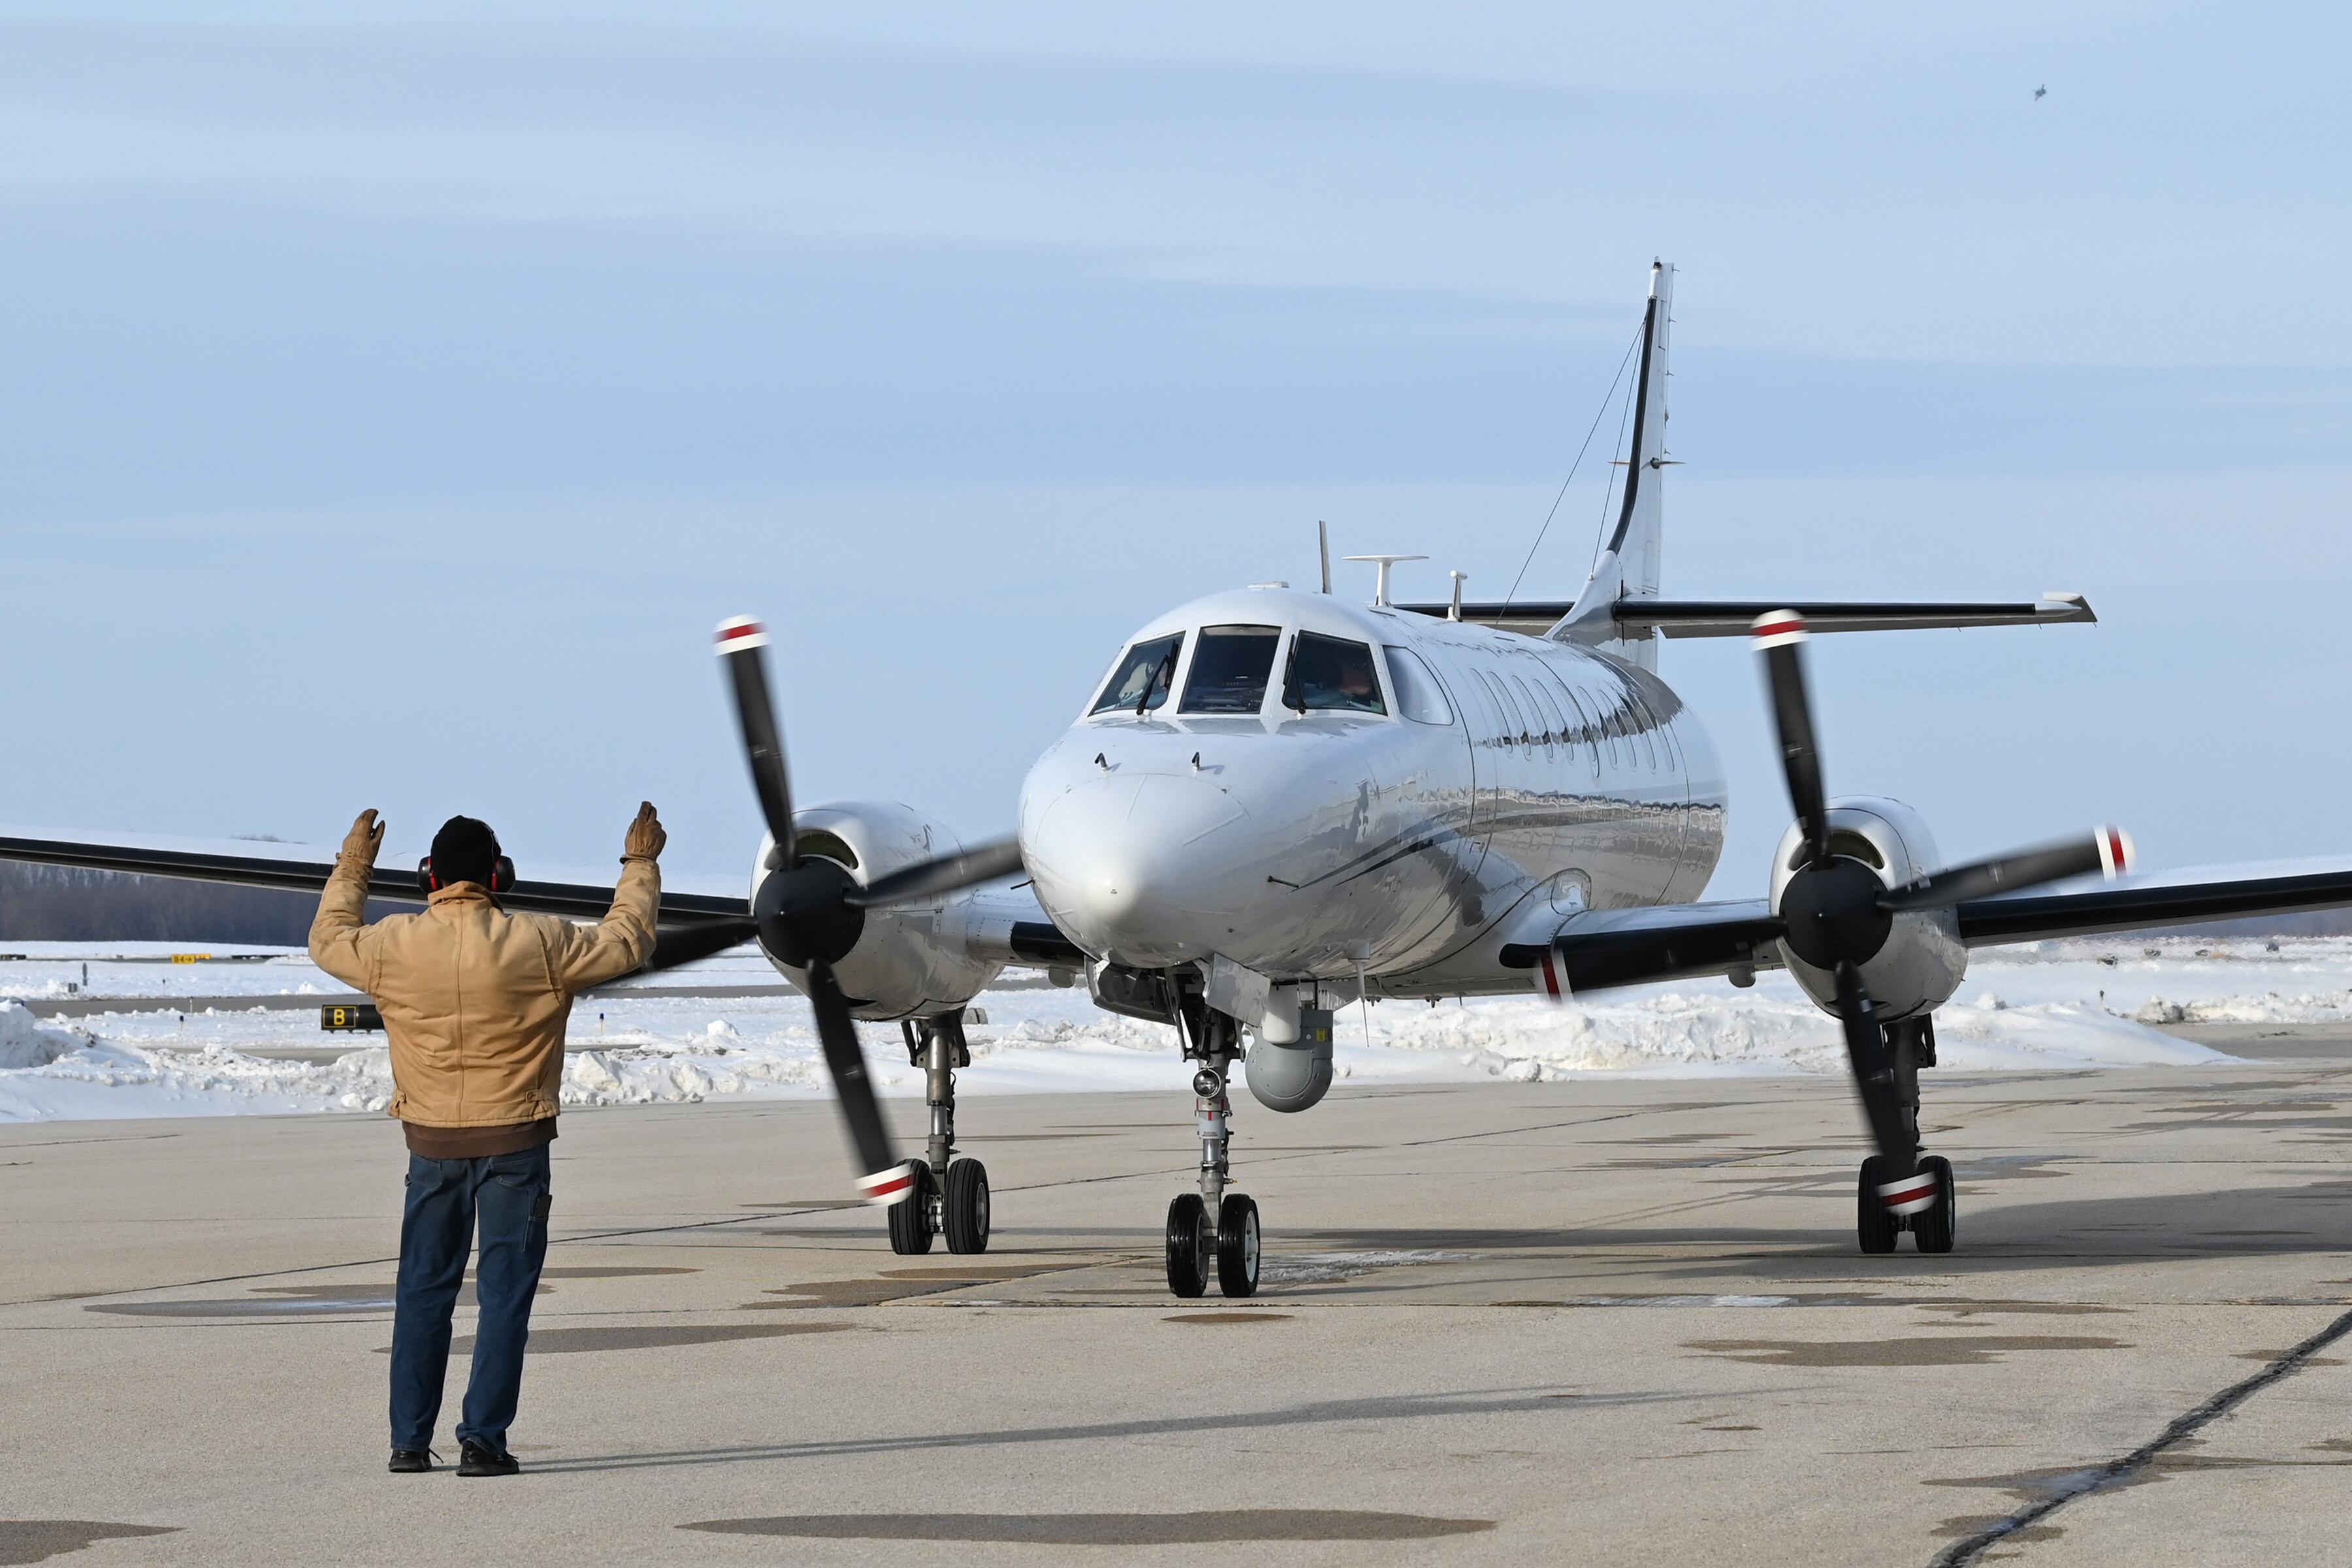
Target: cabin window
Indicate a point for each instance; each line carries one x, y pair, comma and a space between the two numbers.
1583, 733
1639, 727
1515, 723
1419, 697
1229, 667
1331, 674
1142, 679
1558, 734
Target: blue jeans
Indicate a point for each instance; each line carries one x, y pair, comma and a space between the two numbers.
509, 1193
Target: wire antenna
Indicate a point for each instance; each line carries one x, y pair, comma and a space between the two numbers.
1602, 413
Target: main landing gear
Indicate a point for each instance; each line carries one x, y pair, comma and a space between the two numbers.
1211, 1230
1888, 1202
952, 1198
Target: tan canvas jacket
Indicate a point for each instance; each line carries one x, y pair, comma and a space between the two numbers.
475, 999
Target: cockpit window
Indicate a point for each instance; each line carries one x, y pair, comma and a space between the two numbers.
1142, 679
1331, 672
1419, 696
1229, 667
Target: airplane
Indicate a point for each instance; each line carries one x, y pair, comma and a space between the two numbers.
1277, 802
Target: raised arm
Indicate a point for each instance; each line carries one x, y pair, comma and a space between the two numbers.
339, 942
581, 956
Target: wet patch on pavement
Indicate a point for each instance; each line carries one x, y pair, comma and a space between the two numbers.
1975, 1351
38, 1540
896, 1285
1229, 1318
645, 1336
1208, 1528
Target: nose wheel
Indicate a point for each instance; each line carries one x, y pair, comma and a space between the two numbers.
1230, 1250
1934, 1219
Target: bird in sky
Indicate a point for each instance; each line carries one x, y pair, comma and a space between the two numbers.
2040, 93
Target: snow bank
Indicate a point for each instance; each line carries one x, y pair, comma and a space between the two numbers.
25, 1043
2066, 1005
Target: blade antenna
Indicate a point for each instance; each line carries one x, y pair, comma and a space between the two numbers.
1323, 540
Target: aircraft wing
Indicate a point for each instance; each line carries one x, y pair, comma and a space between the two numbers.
2171, 898
1603, 948
690, 924
1637, 618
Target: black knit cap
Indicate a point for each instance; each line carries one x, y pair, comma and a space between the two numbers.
464, 850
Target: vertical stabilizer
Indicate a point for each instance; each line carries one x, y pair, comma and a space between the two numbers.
1630, 565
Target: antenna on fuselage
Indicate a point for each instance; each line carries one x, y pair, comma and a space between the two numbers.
1454, 611
1381, 588
1323, 542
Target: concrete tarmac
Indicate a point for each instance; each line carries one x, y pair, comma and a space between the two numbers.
1586, 1323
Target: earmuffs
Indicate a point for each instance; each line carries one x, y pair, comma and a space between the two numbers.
502, 875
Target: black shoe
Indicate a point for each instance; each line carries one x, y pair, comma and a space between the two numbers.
411, 1461
475, 1460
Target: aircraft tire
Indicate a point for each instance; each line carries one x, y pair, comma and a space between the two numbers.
965, 1210
1187, 1217
911, 1220
1237, 1246
1936, 1228
1873, 1226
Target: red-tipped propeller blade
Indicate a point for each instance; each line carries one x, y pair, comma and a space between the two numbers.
741, 643
2107, 849
1779, 636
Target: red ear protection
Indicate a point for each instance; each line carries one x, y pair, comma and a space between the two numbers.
502, 875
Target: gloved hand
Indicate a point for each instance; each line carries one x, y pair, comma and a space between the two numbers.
365, 840
646, 836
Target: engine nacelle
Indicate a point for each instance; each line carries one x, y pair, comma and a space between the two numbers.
1923, 960
910, 959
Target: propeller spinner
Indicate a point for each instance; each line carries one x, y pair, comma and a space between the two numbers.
809, 911
1838, 914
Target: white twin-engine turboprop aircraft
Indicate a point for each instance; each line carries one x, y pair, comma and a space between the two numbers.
1277, 801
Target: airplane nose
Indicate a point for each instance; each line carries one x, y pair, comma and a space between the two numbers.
1120, 864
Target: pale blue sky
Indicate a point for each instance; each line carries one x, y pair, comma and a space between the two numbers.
390, 406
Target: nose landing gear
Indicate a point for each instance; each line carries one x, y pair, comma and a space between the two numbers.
952, 1199
1196, 1244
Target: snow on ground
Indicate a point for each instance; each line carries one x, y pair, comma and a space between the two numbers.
2077, 1004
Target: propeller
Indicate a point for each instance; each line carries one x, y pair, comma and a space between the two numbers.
808, 912
1839, 914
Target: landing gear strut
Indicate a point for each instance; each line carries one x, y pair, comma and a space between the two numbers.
1197, 1242
1934, 1219
952, 1199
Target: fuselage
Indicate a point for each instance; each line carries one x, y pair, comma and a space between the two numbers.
1316, 790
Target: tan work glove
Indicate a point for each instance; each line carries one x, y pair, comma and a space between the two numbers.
366, 837
646, 836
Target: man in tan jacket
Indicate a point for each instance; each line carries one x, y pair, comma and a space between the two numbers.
475, 1001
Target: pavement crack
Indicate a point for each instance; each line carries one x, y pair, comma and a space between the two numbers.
2116, 1471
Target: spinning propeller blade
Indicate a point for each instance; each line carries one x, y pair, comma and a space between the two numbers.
886, 1179
741, 642
949, 874
1874, 1076
685, 944
2107, 849
1777, 636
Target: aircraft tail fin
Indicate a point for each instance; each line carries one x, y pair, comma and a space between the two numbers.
1631, 563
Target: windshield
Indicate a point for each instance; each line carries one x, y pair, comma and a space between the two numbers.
1141, 681
1229, 667
1332, 673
